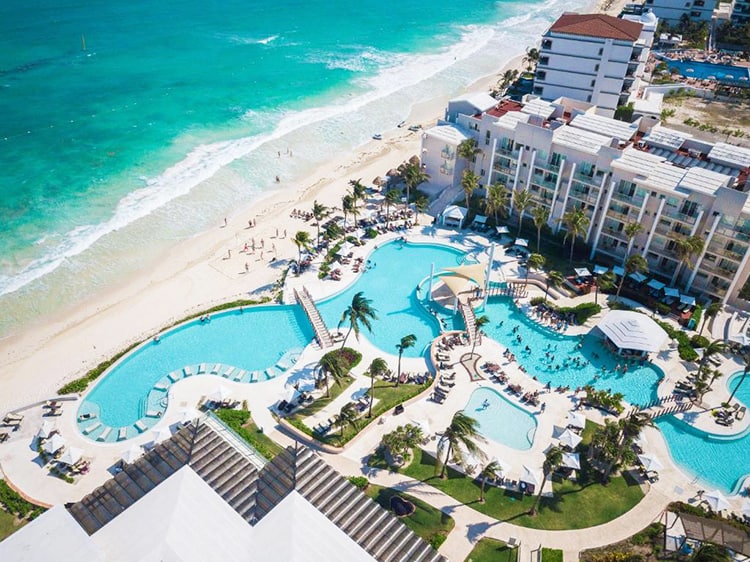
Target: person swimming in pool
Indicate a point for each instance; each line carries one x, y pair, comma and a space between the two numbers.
485, 404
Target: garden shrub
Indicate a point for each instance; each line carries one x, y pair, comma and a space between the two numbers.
699, 341
360, 482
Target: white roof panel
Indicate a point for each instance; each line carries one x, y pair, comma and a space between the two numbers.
611, 128
511, 119
482, 101
632, 330
539, 107
666, 138
734, 156
702, 180
448, 133
579, 139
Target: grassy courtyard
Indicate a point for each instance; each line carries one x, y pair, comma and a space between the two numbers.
491, 550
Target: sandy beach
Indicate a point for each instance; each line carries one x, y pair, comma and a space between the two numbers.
206, 270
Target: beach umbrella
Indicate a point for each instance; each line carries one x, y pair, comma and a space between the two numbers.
504, 466
571, 460
502, 229
44, 431
650, 462
161, 434
716, 500
71, 456
570, 438
345, 248
530, 476
187, 415
55, 443
131, 453
641, 440
220, 394
575, 419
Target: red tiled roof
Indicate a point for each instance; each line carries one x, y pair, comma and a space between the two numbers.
597, 25
504, 107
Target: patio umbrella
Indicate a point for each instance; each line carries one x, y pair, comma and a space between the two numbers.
71, 456
131, 454
575, 419
187, 415
504, 466
570, 439
161, 434
502, 229
657, 285
716, 500
638, 277
671, 292
55, 443
650, 462
45, 430
220, 394
571, 460
582, 272
618, 270
345, 248
521, 242
529, 476
687, 299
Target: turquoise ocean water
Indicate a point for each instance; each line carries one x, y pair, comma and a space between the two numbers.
174, 112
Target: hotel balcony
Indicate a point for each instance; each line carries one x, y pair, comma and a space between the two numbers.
507, 152
719, 269
715, 287
724, 252
627, 198
545, 180
447, 154
672, 213
588, 197
589, 178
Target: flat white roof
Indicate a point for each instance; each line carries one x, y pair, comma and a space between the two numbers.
538, 106
632, 330
578, 139
666, 138
604, 126
729, 154
452, 134
482, 101
702, 180
649, 169
511, 119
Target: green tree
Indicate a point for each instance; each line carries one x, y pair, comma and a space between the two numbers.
378, 368
348, 206
348, 416
360, 311
709, 552
413, 175
468, 149
489, 471
632, 229
713, 348
392, 197
319, 212
522, 200
497, 199
606, 282
552, 460
554, 279
540, 214
402, 440
334, 231
302, 240
479, 323
633, 264
331, 364
406, 342
469, 183
686, 248
711, 311
531, 58
421, 204
462, 433
535, 261
576, 225
359, 191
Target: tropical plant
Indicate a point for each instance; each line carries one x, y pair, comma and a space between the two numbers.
468, 149
334, 231
633, 264
378, 367
497, 199
406, 342
332, 364
540, 214
631, 230
302, 241
360, 311
392, 197
402, 440
413, 175
576, 224
535, 261
709, 552
469, 183
686, 248
552, 460
522, 200
711, 311
359, 191
348, 416
489, 471
531, 57
319, 212
479, 323
554, 279
421, 204
348, 206
606, 282
713, 348
462, 433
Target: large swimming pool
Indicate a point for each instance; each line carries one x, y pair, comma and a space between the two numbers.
500, 420
565, 360
704, 70
721, 462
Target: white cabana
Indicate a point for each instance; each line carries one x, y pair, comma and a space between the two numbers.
345, 249
161, 434
71, 455
657, 285
54, 443
631, 330
522, 242
672, 292
44, 431
454, 215
220, 394
502, 229
571, 460
650, 462
576, 419
582, 272
569, 439
131, 453
716, 500
480, 219
530, 476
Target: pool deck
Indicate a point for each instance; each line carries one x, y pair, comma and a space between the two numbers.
20, 463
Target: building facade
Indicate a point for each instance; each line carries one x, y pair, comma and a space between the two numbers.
672, 11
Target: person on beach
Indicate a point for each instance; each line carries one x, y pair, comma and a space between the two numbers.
262, 243
229, 254
247, 267
225, 221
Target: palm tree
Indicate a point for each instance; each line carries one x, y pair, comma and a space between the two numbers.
359, 191
531, 57
633, 264
746, 357
716, 346
479, 323
552, 460
541, 216
405, 343
535, 261
378, 367
606, 281
633, 425
489, 471
468, 149
469, 183
392, 197
709, 552
302, 241
711, 311
331, 364
522, 200
686, 248
631, 230
421, 204
497, 199
413, 175
319, 212
334, 231
462, 432
554, 279
348, 205
359, 312
576, 224
348, 416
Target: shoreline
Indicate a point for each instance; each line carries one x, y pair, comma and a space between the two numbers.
196, 273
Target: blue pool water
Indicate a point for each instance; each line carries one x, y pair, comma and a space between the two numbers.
596, 365
703, 70
253, 340
721, 462
391, 286
501, 421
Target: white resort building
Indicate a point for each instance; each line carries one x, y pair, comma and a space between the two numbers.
570, 157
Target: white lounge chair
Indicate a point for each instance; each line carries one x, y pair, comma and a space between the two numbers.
239, 375
228, 372
122, 433
201, 368
104, 434
140, 426
216, 368
174, 376
92, 428
188, 371
153, 414
160, 386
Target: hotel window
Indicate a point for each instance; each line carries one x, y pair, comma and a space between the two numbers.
487, 137
556, 159
541, 75
538, 90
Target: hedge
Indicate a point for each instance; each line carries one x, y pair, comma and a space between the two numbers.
16, 505
582, 311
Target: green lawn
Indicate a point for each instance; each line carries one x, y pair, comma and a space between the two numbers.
576, 505
491, 550
552, 555
8, 524
426, 521
242, 424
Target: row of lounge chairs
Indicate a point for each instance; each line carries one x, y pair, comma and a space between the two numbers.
13, 420
445, 384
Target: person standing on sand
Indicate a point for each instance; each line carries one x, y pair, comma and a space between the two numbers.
225, 221
247, 268
229, 254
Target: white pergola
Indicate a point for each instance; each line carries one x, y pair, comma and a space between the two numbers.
629, 330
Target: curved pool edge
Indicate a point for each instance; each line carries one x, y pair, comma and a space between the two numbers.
531, 416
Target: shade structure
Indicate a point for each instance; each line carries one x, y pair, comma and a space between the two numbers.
654, 284
582, 272
220, 394
453, 215
671, 292
619, 270
502, 229
687, 299
742, 339
345, 248
131, 453
54, 444
641, 440
504, 466
161, 434
575, 419
475, 272
571, 460
530, 476
570, 439
716, 500
71, 455
632, 330
600, 270
638, 277
47, 428
522, 242
480, 219
650, 462
456, 283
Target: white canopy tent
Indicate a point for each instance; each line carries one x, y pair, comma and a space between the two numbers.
576, 419
522, 242
131, 453
631, 330
454, 216
716, 500
650, 462
54, 443
71, 455
502, 229
530, 476
47, 428
571, 460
